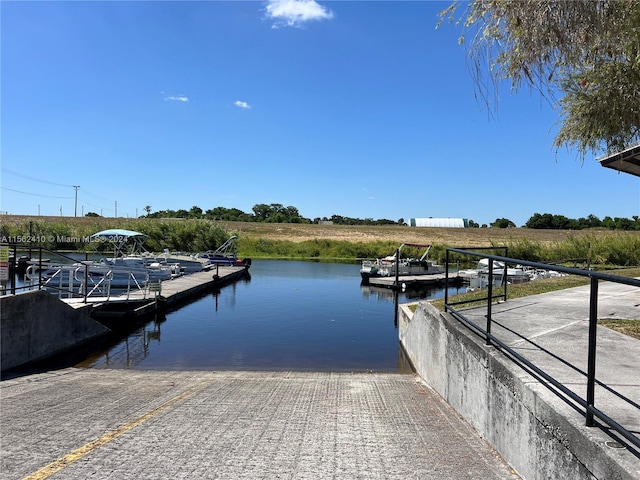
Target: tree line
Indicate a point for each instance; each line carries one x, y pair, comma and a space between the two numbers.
278, 213
261, 212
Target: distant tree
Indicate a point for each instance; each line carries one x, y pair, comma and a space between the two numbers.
540, 221
503, 223
401, 221
261, 211
337, 220
91, 214
560, 222
147, 210
195, 212
587, 51
228, 214
473, 224
590, 222
384, 221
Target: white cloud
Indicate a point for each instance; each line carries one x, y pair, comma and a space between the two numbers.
294, 13
241, 104
177, 98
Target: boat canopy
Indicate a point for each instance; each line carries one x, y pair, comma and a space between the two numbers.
117, 232
419, 245
124, 242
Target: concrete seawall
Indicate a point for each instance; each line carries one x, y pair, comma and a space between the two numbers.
35, 325
540, 436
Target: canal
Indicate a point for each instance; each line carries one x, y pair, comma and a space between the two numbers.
289, 315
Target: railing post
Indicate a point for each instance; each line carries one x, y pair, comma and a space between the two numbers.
446, 280
397, 268
504, 274
489, 299
591, 359
39, 268
15, 269
86, 281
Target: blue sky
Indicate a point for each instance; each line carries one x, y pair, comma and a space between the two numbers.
354, 108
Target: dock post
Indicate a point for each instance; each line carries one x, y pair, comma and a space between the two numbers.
397, 268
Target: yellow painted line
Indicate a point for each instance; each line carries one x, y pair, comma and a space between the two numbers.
87, 448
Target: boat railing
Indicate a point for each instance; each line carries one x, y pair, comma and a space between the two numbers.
68, 277
74, 281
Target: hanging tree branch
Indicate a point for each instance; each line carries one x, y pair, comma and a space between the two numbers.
583, 56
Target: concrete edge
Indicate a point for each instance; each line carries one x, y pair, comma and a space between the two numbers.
538, 434
35, 326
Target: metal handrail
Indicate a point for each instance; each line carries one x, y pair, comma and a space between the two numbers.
589, 410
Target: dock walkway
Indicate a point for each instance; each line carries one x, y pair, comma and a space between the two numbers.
170, 293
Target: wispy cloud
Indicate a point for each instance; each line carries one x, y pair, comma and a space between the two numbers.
241, 104
176, 98
295, 13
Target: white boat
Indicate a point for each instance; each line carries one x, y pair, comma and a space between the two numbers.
103, 275
515, 274
127, 268
393, 265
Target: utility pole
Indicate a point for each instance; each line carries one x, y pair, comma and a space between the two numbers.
116, 209
75, 209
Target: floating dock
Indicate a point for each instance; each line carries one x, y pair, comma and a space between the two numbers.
408, 281
156, 298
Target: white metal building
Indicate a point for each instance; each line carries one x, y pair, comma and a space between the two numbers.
439, 222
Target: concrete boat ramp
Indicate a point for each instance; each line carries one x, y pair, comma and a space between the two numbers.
158, 297
115, 424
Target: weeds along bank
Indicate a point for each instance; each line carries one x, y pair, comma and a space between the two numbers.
327, 242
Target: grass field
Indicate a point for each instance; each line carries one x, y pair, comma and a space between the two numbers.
345, 241
453, 237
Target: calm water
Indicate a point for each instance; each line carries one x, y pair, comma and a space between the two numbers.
290, 315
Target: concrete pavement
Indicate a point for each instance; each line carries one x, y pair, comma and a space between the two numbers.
106, 424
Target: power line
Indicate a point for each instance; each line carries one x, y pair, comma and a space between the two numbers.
76, 187
94, 205
84, 190
17, 174
34, 194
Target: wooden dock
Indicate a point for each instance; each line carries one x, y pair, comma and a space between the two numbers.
166, 295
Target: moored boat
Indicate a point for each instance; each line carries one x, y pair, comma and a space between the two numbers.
226, 254
395, 265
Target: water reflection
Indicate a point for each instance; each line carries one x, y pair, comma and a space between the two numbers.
130, 351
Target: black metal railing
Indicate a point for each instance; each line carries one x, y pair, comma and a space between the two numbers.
583, 404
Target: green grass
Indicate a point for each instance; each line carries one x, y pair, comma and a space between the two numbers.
628, 327
530, 288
